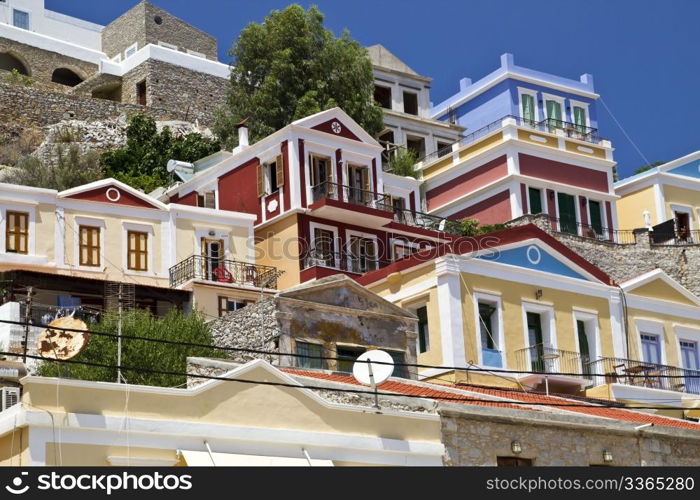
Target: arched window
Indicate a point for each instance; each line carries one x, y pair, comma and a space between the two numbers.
8, 62
65, 76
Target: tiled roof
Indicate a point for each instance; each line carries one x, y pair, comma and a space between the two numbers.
470, 394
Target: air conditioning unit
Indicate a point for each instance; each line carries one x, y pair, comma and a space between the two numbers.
10, 397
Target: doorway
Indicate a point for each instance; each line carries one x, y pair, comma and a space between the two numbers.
534, 334
213, 258
358, 185
567, 213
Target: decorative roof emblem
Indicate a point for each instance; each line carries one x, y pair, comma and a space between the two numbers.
336, 127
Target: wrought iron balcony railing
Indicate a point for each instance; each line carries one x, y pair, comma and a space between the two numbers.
342, 261
599, 233
643, 374
544, 359
222, 271
420, 219
349, 194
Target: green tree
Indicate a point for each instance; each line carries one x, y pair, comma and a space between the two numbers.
470, 227
71, 169
142, 161
644, 168
176, 326
289, 67
404, 162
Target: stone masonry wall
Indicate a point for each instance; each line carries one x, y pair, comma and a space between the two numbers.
623, 262
477, 439
139, 25
42, 63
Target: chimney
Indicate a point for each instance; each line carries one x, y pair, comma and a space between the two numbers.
242, 127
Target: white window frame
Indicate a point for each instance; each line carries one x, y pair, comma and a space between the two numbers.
393, 242
31, 244
336, 241
543, 198
349, 233
221, 234
320, 151
134, 47
551, 97
499, 330
580, 104
651, 327
415, 304
549, 327
25, 11
168, 45
687, 334
530, 92
588, 318
92, 222
196, 54
144, 228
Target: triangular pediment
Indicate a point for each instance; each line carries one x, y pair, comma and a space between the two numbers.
113, 192
537, 257
341, 291
338, 123
658, 285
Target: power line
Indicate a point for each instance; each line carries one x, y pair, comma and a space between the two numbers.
465, 398
346, 358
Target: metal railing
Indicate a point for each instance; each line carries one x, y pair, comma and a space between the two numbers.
549, 125
420, 219
222, 271
675, 238
643, 374
588, 231
342, 261
349, 194
390, 150
545, 359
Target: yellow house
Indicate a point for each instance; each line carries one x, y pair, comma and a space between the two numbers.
215, 423
519, 309
669, 194
67, 246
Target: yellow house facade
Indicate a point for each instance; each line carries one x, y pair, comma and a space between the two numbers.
669, 194
522, 310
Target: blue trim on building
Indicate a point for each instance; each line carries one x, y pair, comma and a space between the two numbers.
533, 257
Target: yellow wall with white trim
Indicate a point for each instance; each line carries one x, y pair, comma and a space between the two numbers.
686, 198
631, 207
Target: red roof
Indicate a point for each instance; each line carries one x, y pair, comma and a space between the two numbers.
518, 399
495, 239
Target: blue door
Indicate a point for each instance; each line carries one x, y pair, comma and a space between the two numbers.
651, 349
689, 358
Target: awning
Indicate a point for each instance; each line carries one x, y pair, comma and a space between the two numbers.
206, 459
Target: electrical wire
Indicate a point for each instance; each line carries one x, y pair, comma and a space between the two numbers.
465, 398
342, 358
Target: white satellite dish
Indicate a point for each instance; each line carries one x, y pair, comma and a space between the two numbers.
372, 368
170, 166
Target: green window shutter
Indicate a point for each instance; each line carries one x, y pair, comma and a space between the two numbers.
580, 118
554, 114
535, 198
528, 107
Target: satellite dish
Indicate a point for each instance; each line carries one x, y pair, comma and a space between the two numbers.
55, 343
371, 372
170, 166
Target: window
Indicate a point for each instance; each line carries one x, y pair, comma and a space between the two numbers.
141, 93
596, 217
323, 251
553, 108
347, 356
486, 317
682, 225
402, 249
689, 355
358, 185
528, 107
383, 96
130, 51
320, 170
580, 120
443, 148
423, 330
567, 213
20, 19
489, 328
363, 254
535, 198
513, 462
583, 347
399, 359
89, 246
651, 348
137, 254
312, 353
227, 305
17, 232
270, 176
206, 199
417, 145
410, 103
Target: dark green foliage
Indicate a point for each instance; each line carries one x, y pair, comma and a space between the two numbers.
175, 326
644, 168
471, 227
289, 67
403, 163
142, 162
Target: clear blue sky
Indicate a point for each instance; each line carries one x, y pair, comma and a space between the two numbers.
643, 54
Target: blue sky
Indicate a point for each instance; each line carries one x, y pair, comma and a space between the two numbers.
643, 54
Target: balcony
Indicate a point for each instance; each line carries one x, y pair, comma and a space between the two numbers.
342, 261
549, 364
351, 205
637, 373
222, 271
348, 194
592, 232
673, 233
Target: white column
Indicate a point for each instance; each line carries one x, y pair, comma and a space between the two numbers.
617, 325
450, 309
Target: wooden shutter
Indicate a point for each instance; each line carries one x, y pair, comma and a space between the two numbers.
261, 180
280, 171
